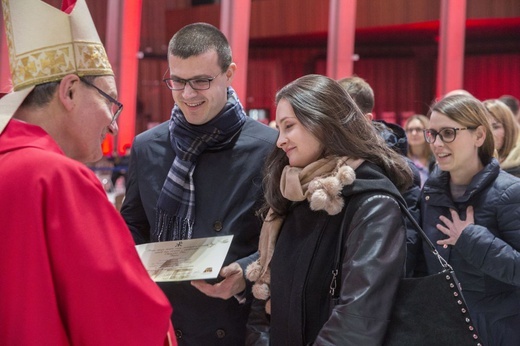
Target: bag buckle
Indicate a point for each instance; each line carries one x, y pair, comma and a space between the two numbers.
333, 283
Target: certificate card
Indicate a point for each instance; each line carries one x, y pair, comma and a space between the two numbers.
181, 260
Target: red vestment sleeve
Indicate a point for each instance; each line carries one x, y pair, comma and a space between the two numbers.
70, 271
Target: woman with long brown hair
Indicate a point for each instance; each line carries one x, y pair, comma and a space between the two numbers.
331, 180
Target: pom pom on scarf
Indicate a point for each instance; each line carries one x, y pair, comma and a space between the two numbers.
261, 291
253, 271
325, 193
346, 175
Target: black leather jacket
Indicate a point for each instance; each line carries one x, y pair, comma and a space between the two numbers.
372, 263
228, 185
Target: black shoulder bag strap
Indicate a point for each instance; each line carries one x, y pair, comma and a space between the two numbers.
336, 271
423, 235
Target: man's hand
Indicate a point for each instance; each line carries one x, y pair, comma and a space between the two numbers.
454, 227
232, 284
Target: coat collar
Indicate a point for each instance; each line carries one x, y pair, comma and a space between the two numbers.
437, 186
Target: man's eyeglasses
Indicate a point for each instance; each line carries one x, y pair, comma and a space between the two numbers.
117, 106
447, 134
195, 83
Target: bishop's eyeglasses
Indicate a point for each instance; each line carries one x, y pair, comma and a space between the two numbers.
117, 106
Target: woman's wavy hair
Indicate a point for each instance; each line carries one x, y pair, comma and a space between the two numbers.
327, 111
468, 112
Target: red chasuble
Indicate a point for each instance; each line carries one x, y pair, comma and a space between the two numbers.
70, 274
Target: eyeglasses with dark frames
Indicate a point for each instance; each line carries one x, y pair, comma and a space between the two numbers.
195, 83
447, 134
117, 106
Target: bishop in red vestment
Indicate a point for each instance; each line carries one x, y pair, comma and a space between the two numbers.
70, 274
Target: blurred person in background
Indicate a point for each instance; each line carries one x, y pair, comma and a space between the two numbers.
418, 150
120, 169
393, 134
513, 104
504, 127
511, 163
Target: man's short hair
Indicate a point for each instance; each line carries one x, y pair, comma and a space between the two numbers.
198, 38
360, 91
42, 93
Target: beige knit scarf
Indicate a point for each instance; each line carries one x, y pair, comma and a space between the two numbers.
321, 184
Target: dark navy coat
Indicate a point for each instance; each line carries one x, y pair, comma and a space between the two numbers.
228, 192
486, 257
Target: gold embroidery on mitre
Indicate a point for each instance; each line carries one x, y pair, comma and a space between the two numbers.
42, 66
91, 57
52, 63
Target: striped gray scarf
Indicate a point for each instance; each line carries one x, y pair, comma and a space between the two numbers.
175, 211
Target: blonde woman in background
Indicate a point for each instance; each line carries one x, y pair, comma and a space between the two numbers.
505, 134
418, 150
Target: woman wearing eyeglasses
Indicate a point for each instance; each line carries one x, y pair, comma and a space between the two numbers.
470, 209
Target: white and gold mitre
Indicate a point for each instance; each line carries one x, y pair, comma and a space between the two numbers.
46, 44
